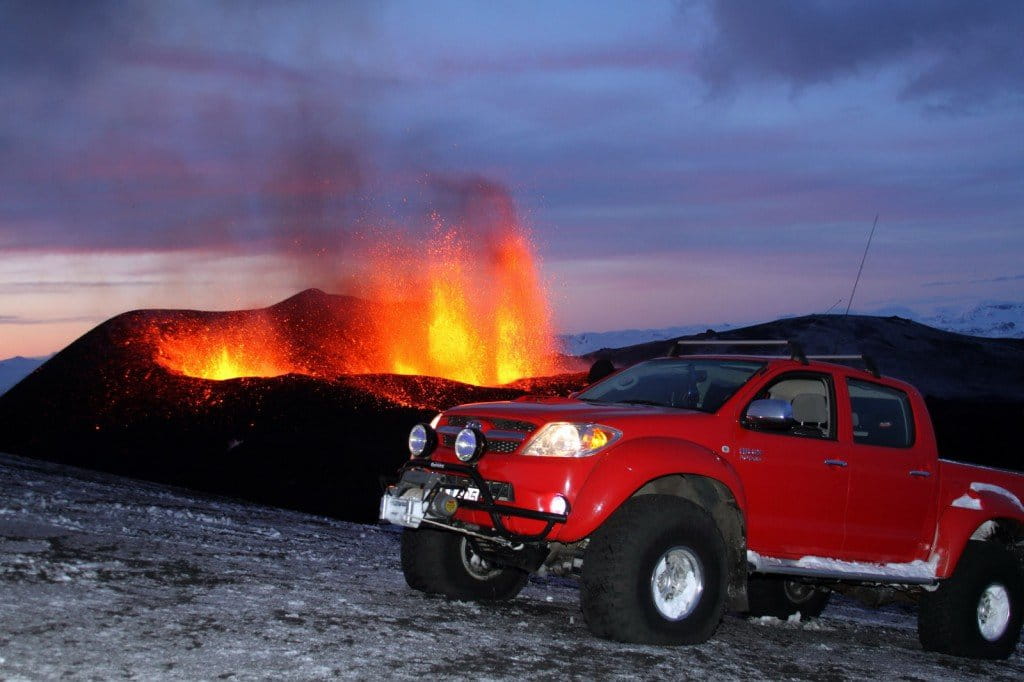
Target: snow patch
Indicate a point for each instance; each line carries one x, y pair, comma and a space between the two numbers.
795, 621
984, 531
998, 490
915, 570
965, 501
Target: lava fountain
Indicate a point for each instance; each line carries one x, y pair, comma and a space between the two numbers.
483, 316
462, 307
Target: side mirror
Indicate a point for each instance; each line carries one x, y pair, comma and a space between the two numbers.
770, 414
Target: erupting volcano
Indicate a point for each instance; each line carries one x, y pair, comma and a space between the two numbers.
306, 403
474, 312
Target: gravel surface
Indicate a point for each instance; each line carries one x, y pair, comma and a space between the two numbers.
104, 577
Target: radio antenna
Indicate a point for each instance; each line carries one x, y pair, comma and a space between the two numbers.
861, 268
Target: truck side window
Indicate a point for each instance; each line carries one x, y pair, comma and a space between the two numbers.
881, 415
810, 395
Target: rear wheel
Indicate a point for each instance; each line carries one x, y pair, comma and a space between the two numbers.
655, 573
977, 611
441, 562
780, 597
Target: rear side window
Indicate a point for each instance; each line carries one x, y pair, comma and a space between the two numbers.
881, 415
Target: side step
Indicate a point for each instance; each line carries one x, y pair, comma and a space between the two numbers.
913, 573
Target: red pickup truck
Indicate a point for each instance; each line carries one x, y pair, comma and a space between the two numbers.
685, 485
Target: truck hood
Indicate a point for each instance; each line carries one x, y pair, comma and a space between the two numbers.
540, 411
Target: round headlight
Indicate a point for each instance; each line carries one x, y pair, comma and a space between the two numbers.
422, 440
469, 445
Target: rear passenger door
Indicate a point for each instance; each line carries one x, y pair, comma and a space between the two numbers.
889, 517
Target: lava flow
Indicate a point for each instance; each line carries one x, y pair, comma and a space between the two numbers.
225, 350
465, 309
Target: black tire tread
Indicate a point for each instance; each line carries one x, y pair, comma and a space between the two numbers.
946, 616
611, 566
431, 564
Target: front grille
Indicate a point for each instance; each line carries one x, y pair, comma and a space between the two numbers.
514, 425
503, 447
499, 424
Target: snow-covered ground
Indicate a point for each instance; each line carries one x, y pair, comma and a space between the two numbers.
103, 577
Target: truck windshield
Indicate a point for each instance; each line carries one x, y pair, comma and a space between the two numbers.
695, 384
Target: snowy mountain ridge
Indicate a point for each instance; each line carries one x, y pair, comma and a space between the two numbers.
992, 320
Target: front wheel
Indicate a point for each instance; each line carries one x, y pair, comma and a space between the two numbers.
977, 611
442, 562
782, 598
655, 573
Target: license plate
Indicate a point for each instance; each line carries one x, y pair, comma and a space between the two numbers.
468, 494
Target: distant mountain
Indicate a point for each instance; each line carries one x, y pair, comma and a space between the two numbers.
990, 320
993, 320
13, 370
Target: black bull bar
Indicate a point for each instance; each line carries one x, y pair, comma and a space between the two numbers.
487, 502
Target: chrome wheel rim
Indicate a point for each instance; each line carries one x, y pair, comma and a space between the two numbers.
476, 566
994, 612
677, 583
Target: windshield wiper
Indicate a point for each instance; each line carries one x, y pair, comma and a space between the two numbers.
637, 401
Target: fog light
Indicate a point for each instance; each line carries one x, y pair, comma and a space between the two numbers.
559, 505
422, 440
469, 445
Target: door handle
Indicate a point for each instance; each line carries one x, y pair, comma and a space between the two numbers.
918, 473
835, 462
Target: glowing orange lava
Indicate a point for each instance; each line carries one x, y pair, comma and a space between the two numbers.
483, 317
469, 308
225, 351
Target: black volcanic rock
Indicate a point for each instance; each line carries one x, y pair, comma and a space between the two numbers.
317, 443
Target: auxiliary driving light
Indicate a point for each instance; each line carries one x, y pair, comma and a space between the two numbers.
422, 440
469, 445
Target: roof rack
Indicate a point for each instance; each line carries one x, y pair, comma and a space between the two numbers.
796, 351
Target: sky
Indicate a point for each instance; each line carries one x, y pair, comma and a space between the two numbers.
682, 162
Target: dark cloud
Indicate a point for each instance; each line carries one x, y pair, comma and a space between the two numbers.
62, 40
950, 49
120, 139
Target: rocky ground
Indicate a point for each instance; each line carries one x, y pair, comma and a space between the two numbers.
104, 577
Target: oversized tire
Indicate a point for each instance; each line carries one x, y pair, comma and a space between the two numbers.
655, 573
977, 611
446, 563
780, 597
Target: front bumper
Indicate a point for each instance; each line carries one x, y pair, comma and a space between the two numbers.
434, 492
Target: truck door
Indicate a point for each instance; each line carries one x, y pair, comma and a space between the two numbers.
892, 483
795, 478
